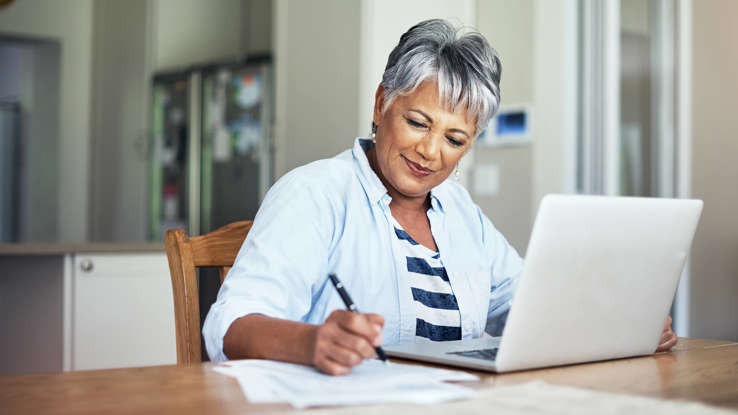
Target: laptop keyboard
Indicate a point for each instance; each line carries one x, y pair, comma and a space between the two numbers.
485, 354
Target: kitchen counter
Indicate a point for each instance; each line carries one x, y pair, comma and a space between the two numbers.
72, 248
85, 306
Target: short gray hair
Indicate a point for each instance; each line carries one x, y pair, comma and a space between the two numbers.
466, 67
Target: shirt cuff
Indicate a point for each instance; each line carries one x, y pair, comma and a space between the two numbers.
219, 320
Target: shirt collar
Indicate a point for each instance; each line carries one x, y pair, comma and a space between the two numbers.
374, 188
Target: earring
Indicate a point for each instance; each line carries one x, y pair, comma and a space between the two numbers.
457, 173
374, 137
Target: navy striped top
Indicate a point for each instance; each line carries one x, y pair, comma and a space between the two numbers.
436, 309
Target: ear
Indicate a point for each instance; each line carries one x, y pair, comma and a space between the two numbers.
378, 104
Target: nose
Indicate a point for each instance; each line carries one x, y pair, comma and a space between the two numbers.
429, 146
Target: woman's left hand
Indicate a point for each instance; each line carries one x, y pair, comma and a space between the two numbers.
668, 337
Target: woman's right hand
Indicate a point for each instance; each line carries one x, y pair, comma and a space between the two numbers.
345, 340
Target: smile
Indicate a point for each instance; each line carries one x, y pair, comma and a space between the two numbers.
416, 169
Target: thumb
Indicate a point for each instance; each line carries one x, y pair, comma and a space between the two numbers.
375, 319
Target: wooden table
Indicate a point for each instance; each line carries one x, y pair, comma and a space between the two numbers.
697, 369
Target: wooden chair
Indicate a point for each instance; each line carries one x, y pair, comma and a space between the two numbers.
216, 249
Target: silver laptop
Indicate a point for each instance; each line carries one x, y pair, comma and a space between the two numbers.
598, 281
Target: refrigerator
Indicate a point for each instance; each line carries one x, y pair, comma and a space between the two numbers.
212, 148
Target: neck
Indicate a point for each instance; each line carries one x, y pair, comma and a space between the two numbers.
417, 204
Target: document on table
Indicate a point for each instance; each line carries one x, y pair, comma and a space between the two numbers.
372, 382
535, 398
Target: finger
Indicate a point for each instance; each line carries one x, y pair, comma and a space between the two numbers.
675, 341
668, 321
378, 322
667, 345
343, 355
337, 315
330, 367
376, 319
357, 344
360, 325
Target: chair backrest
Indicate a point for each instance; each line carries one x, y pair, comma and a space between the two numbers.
216, 249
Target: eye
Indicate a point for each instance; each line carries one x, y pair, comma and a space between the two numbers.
415, 124
454, 142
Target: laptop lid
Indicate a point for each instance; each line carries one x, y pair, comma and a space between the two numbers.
599, 277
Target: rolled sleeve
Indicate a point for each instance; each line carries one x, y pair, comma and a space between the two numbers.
217, 323
279, 264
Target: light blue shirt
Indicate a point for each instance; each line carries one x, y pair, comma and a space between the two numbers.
333, 215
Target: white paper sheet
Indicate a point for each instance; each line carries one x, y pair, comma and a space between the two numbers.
535, 398
372, 382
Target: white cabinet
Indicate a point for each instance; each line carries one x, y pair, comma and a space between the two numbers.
80, 307
122, 313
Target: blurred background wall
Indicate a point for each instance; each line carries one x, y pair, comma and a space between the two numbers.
714, 299
317, 80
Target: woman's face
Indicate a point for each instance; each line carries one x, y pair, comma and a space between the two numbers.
419, 141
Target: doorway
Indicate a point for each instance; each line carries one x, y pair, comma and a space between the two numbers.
29, 140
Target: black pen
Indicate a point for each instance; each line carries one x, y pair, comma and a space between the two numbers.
352, 307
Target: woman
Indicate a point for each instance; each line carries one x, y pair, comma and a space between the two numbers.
411, 247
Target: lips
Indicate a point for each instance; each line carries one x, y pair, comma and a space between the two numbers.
416, 169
